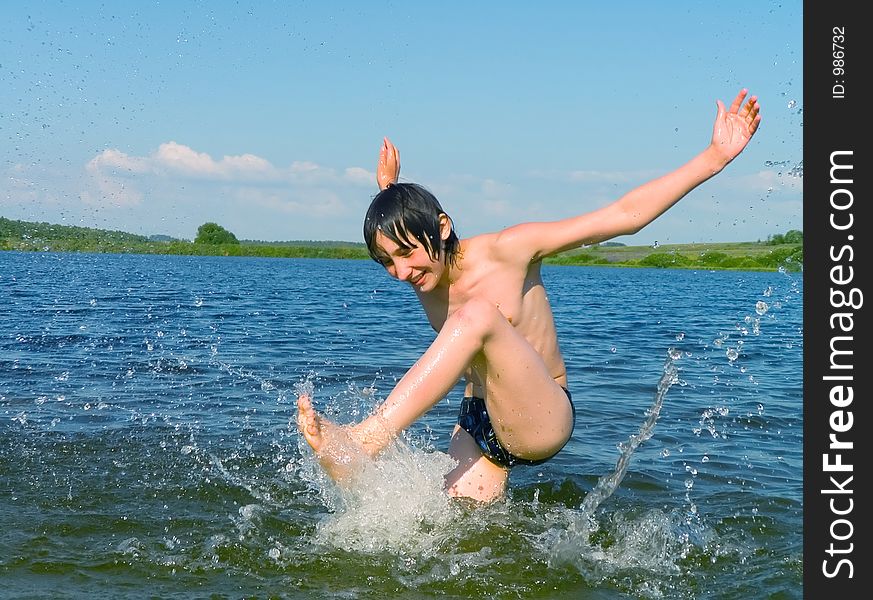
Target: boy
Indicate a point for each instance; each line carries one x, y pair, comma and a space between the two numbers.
485, 298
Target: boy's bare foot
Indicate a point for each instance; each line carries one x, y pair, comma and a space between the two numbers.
338, 452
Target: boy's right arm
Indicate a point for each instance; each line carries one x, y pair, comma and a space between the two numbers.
388, 168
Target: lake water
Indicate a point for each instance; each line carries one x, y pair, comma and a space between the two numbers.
148, 446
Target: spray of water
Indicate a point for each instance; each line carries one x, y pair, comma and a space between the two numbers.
395, 503
573, 542
399, 504
608, 484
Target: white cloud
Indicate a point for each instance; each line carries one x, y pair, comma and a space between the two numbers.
116, 162
184, 160
109, 171
496, 189
113, 192
304, 199
303, 167
360, 176
316, 203
174, 160
767, 181
305, 187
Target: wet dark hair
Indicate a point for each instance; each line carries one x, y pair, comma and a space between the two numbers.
407, 210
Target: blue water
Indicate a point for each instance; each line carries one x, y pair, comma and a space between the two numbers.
148, 445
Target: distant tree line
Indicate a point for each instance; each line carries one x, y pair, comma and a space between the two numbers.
790, 258
26, 230
213, 233
307, 243
782, 251
779, 251
792, 236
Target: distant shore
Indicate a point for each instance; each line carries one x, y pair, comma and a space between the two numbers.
746, 256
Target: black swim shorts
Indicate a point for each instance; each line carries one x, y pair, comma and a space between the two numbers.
473, 418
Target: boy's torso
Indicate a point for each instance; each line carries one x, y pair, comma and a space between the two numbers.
514, 287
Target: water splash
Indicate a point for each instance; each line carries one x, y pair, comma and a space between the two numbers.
573, 543
397, 505
607, 485
794, 169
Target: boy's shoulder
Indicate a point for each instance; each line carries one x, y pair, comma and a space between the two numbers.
479, 243
495, 246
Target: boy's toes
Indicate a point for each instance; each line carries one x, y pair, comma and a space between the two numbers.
308, 422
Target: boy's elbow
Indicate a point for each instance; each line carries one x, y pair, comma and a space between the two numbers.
633, 223
626, 218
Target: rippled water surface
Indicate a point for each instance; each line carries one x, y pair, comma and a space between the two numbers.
148, 445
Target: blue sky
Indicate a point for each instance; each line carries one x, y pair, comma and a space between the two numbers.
267, 117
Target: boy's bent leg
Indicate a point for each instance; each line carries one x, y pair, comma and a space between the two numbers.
475, 476
528, 409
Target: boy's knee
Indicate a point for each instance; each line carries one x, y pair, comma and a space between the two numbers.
478, 313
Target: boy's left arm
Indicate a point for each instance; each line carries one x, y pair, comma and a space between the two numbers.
731, 133
733, 129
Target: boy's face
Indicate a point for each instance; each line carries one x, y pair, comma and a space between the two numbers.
413, 265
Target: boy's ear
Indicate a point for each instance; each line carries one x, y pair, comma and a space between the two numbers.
445, 226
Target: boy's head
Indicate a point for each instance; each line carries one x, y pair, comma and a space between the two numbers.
409, 215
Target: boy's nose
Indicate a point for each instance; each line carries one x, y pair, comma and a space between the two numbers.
404, 271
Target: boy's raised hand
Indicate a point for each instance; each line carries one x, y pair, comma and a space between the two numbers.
735, 126
388, 169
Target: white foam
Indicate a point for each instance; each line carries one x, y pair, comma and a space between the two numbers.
397, 503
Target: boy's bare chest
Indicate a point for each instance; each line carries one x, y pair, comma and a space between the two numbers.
503, 288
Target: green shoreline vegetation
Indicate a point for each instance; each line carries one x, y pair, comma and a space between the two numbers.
780, 251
